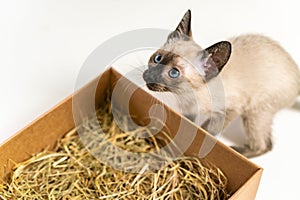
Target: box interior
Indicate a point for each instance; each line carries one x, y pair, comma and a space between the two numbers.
243, 175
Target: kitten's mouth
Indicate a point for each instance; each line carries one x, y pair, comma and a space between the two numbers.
157, 87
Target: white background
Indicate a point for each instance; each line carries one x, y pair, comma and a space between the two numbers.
44, 43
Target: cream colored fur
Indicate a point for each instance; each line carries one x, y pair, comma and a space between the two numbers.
259, 79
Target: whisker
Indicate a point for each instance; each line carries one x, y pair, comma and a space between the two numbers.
138, 68
142, 62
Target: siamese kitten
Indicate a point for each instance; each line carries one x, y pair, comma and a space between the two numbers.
258, 79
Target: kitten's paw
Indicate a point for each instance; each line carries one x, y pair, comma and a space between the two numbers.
240, 149
248, 152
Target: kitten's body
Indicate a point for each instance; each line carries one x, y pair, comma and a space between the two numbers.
259, 79
259, 74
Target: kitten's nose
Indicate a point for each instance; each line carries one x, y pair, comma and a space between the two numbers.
146, 76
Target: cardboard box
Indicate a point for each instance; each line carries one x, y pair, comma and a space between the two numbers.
243, 176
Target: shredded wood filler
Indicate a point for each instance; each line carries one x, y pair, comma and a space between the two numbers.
72, 172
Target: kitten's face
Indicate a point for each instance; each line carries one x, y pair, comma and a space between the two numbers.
181, 65
171, 67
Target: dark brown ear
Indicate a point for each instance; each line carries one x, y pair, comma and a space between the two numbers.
214, 58
184, 27
220, 53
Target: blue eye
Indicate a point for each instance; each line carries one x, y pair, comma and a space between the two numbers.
174, 73
157, 58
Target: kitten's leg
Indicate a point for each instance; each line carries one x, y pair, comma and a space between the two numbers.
191, 117
258, 130
230, 116
217, 123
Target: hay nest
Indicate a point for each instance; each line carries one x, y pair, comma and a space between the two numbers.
72, 172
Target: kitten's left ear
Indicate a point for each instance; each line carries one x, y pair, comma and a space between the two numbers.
214, 59
184, 27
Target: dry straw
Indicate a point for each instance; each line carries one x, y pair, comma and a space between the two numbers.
72, 172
